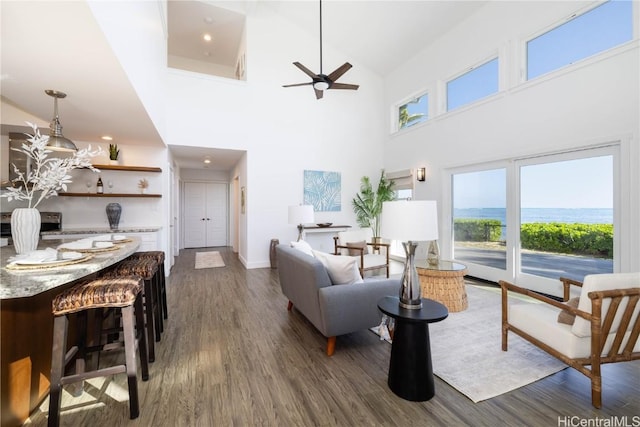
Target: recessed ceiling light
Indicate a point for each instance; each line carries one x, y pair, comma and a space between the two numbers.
207, 160
207, 37
107, 138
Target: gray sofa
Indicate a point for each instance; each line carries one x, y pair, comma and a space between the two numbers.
333, 309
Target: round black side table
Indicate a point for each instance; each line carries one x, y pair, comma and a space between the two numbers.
410, 369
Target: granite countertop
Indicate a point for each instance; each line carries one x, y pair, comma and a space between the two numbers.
27, 283
69, 231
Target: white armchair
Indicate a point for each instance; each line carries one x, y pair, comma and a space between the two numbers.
603, 326
359, 243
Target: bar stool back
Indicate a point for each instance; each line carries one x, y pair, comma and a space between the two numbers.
146, 268
159, 257
123, 293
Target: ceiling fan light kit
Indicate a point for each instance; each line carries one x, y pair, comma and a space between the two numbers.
322, 82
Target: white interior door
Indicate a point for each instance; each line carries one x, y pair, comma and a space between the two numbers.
206, 213
216, 208
194, 215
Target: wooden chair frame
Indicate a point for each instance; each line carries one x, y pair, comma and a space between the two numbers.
600, 326
374, 246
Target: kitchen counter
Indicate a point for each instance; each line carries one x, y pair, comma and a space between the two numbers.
27, 283
71, 231
27, 324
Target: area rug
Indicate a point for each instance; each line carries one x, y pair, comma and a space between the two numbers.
208, 260
466, 350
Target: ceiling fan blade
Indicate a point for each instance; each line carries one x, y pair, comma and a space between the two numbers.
344, 86
335, 75
319, 93
307, 71
298, 84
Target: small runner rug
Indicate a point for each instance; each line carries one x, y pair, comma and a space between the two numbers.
209, 260
466, 350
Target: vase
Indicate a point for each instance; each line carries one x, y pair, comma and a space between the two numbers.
25, 229
272, 253
114, 162
113, 215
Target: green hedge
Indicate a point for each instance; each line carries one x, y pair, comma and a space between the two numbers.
578, 239
582, 239
477, 230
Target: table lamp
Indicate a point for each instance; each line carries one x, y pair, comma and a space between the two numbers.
300, 215
410, 221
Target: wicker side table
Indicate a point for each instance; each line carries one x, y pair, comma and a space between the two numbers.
444, 283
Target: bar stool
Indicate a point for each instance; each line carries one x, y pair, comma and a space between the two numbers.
159, 257
122, 293
145, 268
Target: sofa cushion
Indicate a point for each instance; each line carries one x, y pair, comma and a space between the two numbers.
303, 246
602, 282
356, 235
566, 317
356, 248
342, 270
540, 321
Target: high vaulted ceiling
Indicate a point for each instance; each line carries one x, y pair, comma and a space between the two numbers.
64, 39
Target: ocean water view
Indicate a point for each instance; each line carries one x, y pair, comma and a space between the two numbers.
528, 215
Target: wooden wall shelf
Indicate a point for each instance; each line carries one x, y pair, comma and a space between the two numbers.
108, 195
127, 168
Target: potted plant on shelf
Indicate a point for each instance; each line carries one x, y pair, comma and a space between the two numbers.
113, 154
143, 184
44, 178
367, 204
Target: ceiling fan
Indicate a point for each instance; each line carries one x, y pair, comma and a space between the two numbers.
322, 82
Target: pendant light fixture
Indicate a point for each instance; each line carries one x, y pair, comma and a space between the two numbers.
57, 141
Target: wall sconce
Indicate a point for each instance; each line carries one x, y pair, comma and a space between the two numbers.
421, 174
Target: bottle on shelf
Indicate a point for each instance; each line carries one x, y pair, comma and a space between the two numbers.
99, 186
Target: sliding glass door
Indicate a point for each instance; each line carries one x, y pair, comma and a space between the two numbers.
537, 219
480, 221
566, 211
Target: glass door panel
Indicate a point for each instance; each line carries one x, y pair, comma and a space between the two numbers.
479, 220
566, 217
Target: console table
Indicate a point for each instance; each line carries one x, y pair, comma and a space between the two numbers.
444, 282
410, 368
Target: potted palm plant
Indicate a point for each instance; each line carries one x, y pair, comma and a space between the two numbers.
367, 204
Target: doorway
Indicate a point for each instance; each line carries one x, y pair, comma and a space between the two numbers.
205, 214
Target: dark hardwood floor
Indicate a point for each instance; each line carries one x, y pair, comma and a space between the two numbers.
231, 354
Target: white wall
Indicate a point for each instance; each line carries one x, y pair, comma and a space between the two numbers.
589, 103
284, 131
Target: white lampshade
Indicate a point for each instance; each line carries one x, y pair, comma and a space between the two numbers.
301, 214
409, 220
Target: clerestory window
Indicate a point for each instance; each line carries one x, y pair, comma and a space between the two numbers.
585, 35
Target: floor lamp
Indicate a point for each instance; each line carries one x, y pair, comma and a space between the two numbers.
410, 221
300, 215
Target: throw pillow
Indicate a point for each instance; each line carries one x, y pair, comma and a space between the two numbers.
356, 248
568, 318
342, 270
303, 246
